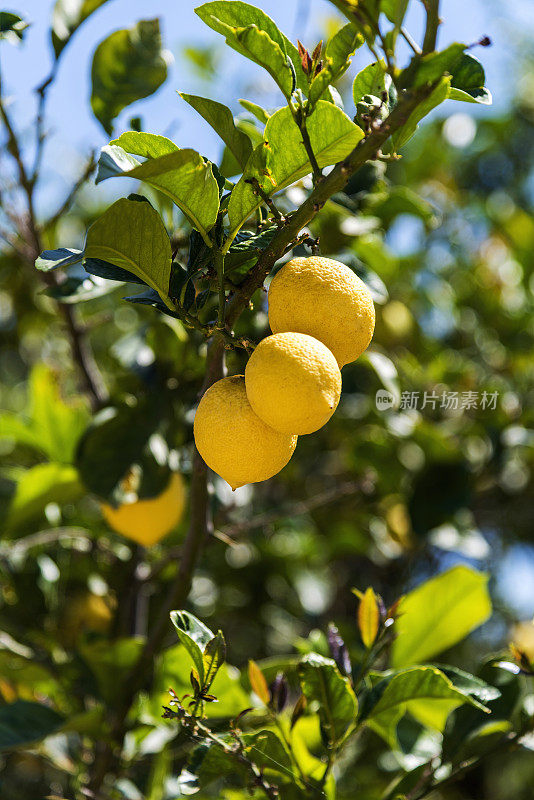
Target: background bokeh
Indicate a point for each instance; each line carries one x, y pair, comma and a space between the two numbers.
377, 497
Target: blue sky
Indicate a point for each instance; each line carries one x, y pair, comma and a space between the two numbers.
73, 130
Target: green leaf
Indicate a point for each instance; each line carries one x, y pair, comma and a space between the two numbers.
337, 55
182, 175
51, 426
468, 80
39, 486
127, 66
23, 723
385, 371
415, 689
401, 200
282, 159
12, 27
54, 259
194, 636
132, 236
221, 120
432, 67
253, 108
437, 96
266, 749
440, 613
146, 145
394, 10
321, 682
213, 657
67, 16
120, 441
253, 33
372, 79
79, 288
111, 662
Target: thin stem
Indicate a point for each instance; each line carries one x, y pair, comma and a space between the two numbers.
219, 267
411, 42
69, 199
91, 380
300, 118
334, 182
432, 25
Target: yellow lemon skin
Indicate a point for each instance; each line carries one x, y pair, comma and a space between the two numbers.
233, 441
293, 382
324, 299
149, 520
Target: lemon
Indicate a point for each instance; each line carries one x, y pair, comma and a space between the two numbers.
233, 440
148, 520
324, 299
293, 382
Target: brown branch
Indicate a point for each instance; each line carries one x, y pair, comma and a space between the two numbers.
91, 380
366, 150
200, 526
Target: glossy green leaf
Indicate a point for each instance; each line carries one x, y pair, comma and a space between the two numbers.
415, 689
40, 485
321, 682
132, 236
194, 636
282, 159
468, 80
222, 121
432, 67
251, 32
437, 96
182, 175
12, 27
127, 66
24, 723
439, 613
67, 16
336, 61
55, 259
213, 657
372, 79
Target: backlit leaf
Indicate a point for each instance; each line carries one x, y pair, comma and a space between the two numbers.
251, 32
282, 159
132, 236
67, 16
321, 682
222, 121
338, 52
194, 636
182, 175
127, 66
439, 613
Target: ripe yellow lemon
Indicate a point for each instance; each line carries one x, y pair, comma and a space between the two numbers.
146, 521
233, 441
293, 382
324, 299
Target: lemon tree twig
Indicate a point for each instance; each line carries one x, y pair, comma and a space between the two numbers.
90, 378
200, 524
432, 25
